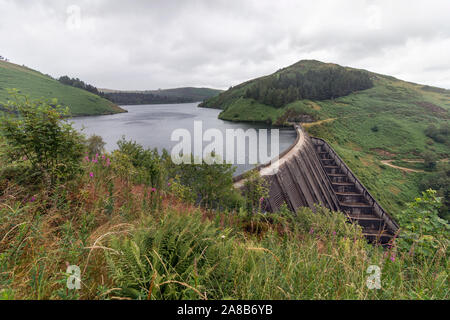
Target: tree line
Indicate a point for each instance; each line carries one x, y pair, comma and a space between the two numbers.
284, 88
124, 98
131, 98
77, 83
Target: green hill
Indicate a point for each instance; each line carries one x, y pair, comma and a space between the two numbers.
390, 119
176, 95
37, 85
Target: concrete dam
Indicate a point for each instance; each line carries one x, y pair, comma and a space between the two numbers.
309, 173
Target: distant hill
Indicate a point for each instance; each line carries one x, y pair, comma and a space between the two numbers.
37, 85
367, 117
177, 95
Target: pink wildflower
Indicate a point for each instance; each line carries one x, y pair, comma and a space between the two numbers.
311, 231
169, 184
33, 199
86, 159
108, 162
153, 190
91, 174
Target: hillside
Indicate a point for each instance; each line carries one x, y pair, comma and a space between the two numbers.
176, 95
389, 120
37, 85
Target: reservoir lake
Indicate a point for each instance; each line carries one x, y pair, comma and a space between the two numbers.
152, 127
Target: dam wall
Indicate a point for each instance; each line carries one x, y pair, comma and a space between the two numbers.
322, 147
310, 173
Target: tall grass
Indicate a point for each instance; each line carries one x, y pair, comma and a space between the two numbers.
311, 256
131, 242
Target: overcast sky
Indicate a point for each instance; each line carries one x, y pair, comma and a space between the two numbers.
218, 43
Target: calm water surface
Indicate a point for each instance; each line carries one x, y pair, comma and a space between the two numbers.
152, 126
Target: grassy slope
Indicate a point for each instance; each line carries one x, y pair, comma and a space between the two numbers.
397, 109
37, 85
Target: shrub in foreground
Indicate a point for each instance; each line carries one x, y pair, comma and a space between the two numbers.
37, 137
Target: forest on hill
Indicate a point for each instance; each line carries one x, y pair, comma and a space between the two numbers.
320, 84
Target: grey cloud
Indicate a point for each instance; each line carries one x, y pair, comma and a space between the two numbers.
158, 44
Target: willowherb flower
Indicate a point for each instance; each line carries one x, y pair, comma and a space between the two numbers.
311, 231
91, 174
334, 233
261, 199
108, 162
33, 199
87, 158
153, 189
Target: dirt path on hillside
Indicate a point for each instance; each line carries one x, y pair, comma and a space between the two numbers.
389, 163
310, 124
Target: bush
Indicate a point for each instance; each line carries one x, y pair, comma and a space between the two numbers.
423, 232
439, 134
211, 184
439, 180
36, 133
430, 160
149, 165
255, 191
95, 145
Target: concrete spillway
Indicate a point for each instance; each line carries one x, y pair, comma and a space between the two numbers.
310, 173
